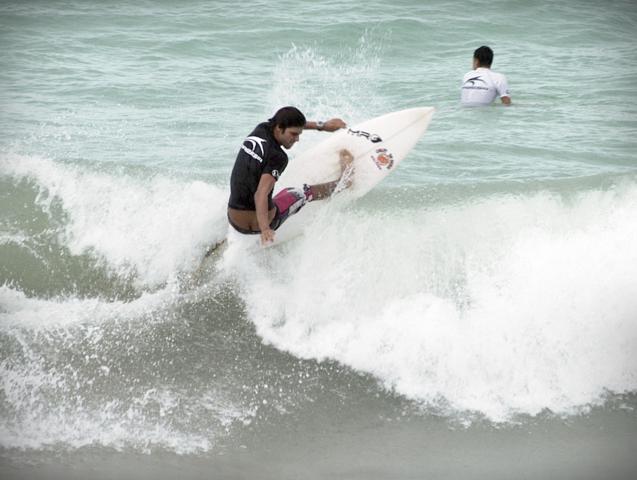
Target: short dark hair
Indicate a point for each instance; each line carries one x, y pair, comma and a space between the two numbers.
287, 117
484, 56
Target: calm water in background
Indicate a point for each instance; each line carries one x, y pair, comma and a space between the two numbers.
473, 316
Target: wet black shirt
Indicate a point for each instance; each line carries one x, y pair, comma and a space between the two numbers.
259, 154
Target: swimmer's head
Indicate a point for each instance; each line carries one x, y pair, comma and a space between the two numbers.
483, 57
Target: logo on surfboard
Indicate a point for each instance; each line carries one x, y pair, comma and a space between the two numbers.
383, 159
372, 137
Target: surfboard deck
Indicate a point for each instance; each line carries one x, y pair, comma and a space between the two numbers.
378, 146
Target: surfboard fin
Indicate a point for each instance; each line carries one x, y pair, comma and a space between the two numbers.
213, 248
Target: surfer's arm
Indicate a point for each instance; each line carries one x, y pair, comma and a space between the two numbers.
266, 185
330, 125
502, 87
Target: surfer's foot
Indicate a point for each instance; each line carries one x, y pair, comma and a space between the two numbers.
347, 167
346, 158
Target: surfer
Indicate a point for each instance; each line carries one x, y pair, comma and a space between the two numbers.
481, 86
259, 164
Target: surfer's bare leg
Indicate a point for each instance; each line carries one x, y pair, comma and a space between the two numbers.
325, 190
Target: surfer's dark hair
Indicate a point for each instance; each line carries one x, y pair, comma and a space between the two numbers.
287, 117
484, 56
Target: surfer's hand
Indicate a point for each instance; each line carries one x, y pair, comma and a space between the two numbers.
267, 236
333, 124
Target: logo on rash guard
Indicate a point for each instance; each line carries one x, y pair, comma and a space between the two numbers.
470, 84
473, 80
250, 144
275, 174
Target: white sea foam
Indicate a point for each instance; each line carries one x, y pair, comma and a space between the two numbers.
308, 79
152, 228
145, 422
48, 404
17, 310
509, 304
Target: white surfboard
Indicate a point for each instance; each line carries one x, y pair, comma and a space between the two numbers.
377, 145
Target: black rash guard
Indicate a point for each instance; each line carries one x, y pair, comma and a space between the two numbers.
259, 154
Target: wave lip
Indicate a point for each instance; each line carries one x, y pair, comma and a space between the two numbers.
150, 229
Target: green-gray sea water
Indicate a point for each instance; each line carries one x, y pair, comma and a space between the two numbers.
474, 316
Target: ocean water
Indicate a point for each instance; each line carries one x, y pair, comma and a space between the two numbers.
474, 316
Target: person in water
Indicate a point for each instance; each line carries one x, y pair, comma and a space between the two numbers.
259, 164
481, 85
